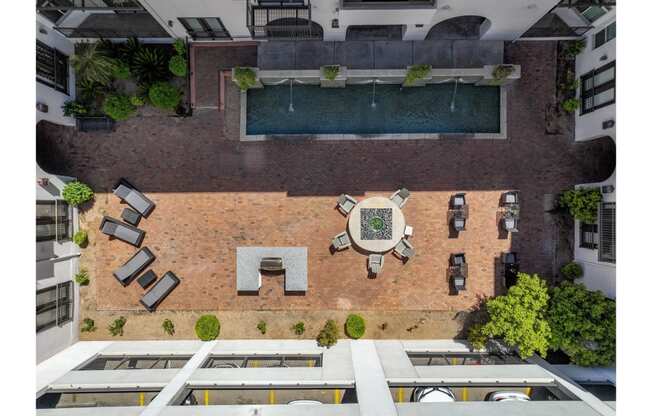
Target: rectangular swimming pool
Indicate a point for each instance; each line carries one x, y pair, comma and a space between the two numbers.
433, 109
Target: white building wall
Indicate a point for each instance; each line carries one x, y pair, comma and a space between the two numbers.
44, 94
508, 18
56, 262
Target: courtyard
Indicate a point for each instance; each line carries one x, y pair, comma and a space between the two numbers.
214, 193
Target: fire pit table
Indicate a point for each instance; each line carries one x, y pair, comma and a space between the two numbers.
376, 224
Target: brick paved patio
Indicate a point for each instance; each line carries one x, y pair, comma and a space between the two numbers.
214, 193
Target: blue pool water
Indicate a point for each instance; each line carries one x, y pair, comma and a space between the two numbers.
348, 110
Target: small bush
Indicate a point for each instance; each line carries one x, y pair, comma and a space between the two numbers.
582, 203
118, 107
168, 327
117, 326
574, 48
88, 325
81, 238
178, 65
180, 47
121, 71
328, 335
331, 71
476, 338
570, 105
74, 109
137, 101
82, 277
262, 327
164, 95
572, 271
354, 326
298, 328
502, 71
207, 327
417, 72
244, 77
76, 193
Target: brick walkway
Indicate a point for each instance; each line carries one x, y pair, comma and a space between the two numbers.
214, 193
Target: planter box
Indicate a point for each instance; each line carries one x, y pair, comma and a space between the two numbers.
488, 78
95, 123
257, 84
338, 82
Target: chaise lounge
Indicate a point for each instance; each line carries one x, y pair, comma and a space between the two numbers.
159, 291
132, 196
125, 232
136, 264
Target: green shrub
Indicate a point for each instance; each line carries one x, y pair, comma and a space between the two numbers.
476, 338
168, 327
81, 238
328, 335
164, 95
178, 65
262, 327
150, 64
92, 63
76, 193
127, 51
137, 101
118, 107
331, 71
582, 203
570, 105
574, 48
298, 328
572, 271
74, 109
88, 326
121, 71
354, 326
82, 277
90, 91
207, 327
502, 71
244, 77
583, 325
117, 326
519, 318
417, 72
180, 47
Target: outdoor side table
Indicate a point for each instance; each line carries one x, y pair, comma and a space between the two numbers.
130, 216
147, 279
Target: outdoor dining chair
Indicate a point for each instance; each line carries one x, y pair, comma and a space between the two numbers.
510, 199
375, 263
510, 222
459, 282
345, 203
400, 197
404, 249
341, 241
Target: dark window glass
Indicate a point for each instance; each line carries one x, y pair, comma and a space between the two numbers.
54, 306
589, 235
605, 35
205, 27
598, 88
53, 220
608, 232
51, 67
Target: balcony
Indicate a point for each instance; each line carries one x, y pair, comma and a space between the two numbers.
113, 26
388, 4
282, 20
67, 5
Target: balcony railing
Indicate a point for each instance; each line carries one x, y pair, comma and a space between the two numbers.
388, 4
65, 5
282, 19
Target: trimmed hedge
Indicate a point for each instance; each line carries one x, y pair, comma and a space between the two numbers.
354, 326
207, 327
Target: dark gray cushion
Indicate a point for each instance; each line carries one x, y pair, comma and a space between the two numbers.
134, 265
159, 291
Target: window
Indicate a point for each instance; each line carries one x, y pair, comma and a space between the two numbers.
205, 27
608, 232
51, 67
592, 13
53, 220
604, 36
54, 306
589, 235
598, 88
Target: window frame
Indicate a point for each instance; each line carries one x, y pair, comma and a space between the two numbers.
67, 220
59, 67
60, 303
604, 34
607, 245
207, 29
589, 243
591, 93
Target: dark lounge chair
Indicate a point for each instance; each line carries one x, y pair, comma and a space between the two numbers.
136, 264
132, 196
125, 232
159, 291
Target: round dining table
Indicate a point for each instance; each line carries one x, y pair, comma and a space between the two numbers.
376, 224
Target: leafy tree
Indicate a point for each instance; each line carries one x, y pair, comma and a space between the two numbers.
92, 63
583, 324
519, 318
76, 193
476, 338
582, 203
328, 335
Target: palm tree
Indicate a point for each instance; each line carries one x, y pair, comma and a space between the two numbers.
92, 63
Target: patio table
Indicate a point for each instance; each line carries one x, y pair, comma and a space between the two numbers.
376, 224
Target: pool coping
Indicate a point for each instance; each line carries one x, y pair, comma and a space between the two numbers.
501, 135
